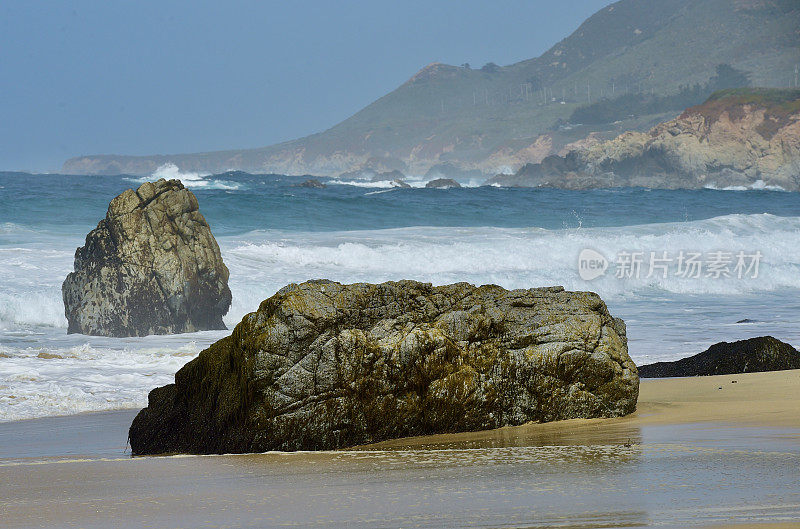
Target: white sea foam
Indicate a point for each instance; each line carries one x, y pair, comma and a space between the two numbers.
53, 377
262, 262
758, 185
189, 179
31, 277
170, 170
516, 258
380, 184
383, 184
667, 318
39, 308
386, 184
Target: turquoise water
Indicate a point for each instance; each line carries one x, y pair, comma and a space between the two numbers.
272, 233
238, 203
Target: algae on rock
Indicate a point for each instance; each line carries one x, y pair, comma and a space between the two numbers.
321, 365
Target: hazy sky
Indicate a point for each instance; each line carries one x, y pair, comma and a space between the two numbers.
146, 77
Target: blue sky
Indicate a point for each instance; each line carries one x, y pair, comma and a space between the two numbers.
146, 77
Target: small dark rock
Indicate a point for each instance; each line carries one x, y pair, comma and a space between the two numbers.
764, 353
313, 183
442, 183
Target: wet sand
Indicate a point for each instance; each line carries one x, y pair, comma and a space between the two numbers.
692, 455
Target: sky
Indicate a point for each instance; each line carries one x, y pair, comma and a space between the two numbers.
162, 77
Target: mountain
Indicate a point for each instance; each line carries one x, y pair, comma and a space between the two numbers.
504, 116
746, 137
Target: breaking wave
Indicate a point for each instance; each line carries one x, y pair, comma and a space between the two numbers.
758, 185
44, 371
378, 184
190, 179
262, 262
64, 379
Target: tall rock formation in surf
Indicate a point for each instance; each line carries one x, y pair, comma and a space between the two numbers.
323, 365
151, 266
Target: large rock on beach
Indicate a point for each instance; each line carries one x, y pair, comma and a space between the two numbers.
322, 365
764, 353
151, 266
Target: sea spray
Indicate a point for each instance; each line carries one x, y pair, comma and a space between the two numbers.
261, 262
190, 179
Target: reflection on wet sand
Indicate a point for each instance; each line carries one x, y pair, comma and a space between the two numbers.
571, 432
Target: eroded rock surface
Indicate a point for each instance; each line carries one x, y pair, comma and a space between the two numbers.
151, 266
323, 365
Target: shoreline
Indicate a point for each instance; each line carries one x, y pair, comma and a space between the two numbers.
691, 456
748, 399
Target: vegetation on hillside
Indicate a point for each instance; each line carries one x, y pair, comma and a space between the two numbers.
786, 98
610, 110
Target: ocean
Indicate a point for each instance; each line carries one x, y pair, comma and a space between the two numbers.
684, 269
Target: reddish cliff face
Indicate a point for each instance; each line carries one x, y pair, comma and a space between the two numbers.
736, 138
742, 138
763, 114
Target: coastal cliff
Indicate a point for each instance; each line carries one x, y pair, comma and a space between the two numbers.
495, 117
322, 365
738, 138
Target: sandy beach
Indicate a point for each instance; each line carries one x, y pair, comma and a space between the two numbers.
707, 452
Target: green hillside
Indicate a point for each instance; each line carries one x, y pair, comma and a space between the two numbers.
451, 113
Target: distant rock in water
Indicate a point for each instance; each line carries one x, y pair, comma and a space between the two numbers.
313, 183
442, 183
764, 353
151, 266
400, 183
323, 365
